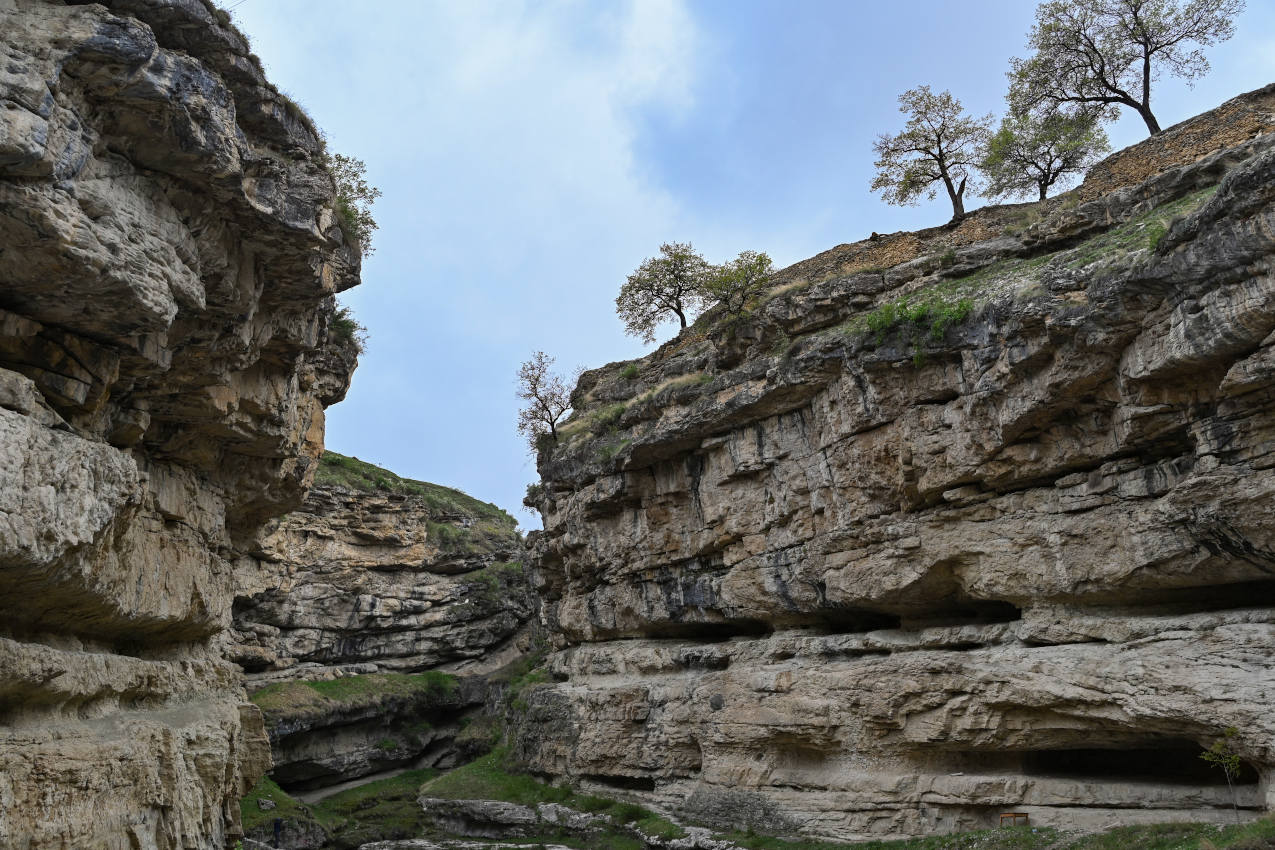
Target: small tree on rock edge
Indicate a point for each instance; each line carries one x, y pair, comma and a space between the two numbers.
733, 284
939, 145
1031, 152
547, 399
354, 199
1223, 755
1108, 52
669, 285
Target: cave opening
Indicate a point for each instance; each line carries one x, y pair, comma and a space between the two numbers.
963, 612
709, 632
1174, 762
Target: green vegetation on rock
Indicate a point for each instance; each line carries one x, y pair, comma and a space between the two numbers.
289, 700
341, 471
492, 530
1143, 231
489, 778
284, 806
382, 810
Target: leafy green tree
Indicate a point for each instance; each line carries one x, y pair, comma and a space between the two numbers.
1222, 754
354, 199
1031, 152
671, 284
733, 284
1108, 52
546, 396
939, 145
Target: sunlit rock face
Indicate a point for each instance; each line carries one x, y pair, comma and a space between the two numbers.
168, 260
846, 567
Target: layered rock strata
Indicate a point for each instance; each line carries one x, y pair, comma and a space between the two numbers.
374, 579
985, 528
168, 259
376, 573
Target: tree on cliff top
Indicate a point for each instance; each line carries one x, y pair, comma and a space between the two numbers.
1032, 152
671, 284
547, 399
733, 284
939, 145
1108, 52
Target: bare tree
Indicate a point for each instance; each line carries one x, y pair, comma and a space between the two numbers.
671, 284
1031, 152
1108, 52
547, 399
939, 145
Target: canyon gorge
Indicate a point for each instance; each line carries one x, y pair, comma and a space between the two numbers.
947, 524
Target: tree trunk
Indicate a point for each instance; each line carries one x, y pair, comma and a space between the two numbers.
1044, 188
958, 199
1153, 126
681, 317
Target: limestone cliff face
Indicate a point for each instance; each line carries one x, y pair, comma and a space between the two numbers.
404, 577
956, 522
376, 576
168, 257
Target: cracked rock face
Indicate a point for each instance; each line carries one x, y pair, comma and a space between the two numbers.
369, 582
168, 260
363, 581
839, 569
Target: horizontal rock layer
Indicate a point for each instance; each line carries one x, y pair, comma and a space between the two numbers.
983, 530
168, 259
409, 578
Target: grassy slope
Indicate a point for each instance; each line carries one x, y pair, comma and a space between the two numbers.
339, 470
492, 530
487, 778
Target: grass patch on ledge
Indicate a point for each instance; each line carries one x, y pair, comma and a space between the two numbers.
341, 471
284, 700
927, 313
287, 808
1142, 232
488, 778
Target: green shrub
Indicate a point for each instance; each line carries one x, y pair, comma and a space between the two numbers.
354, 199
347, 330
629, 372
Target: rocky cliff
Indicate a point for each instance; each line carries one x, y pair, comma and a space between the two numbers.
377, 573
357, 603
169, 254
951, 523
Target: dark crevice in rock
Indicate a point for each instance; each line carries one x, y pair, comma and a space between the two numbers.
1172, 761
624, 783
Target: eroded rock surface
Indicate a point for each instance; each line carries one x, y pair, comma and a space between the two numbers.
168, 260
990, 528
406, 577
375, 580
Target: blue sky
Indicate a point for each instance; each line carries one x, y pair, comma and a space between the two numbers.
532, 154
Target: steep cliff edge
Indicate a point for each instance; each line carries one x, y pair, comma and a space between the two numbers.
168, 259
957, 522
